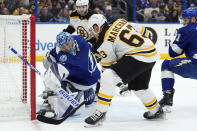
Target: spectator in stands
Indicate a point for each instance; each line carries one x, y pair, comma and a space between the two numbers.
151, 12
108, 14
97, 10
179, 2
142, 4
71, 6
64, 16
106, 3
31, 6
44, 15
19, 5
44, 3
179, 9
56, 8
191, 3
170, 6
2, 5
161, 16
94, 4
4, 11
64, 4
10, 5
22, 11
160, 3
173, 16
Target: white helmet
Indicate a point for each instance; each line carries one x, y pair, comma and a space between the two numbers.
96, 19
82, 2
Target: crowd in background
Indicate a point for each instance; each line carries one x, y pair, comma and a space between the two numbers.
161, 10
59, 10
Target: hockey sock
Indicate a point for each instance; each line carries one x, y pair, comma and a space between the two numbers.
148, 99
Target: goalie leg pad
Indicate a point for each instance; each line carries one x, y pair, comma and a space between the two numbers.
62, 107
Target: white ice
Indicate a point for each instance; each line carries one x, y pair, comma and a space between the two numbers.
126, 113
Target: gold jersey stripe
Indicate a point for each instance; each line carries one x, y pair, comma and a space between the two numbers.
105, 96
145, 55
74, 17
148, 48
103, 102
107, 63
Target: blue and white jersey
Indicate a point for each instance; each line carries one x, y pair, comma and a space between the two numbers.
185, 42
82, 68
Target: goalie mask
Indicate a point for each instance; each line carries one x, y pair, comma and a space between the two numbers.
66, 43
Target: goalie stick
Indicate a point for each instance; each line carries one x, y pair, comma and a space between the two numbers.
74, 103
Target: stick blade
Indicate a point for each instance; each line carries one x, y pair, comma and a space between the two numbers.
48, 120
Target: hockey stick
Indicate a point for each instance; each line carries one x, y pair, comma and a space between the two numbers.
63, 93
59, 121
24, 60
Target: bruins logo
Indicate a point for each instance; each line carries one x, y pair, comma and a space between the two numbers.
82, 32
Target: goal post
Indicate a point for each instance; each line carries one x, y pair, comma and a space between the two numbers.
17, 80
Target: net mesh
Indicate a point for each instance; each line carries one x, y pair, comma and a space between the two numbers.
15, 76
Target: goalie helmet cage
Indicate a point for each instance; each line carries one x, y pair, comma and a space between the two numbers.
17, 80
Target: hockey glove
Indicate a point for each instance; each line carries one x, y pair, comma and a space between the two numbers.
48, 60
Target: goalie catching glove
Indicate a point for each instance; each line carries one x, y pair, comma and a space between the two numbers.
48, 60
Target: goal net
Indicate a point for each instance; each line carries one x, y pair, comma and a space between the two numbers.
17, 80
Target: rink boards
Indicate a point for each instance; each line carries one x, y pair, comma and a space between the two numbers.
164, 34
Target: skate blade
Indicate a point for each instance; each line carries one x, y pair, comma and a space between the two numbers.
160, 118
167, 109
163, 117
91, 126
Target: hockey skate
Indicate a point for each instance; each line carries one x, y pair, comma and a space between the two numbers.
46, 110
160, 114
167, 101
96, 119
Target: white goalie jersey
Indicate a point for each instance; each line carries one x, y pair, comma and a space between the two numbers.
122, 39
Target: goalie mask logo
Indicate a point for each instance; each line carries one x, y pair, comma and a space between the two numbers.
63, 58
